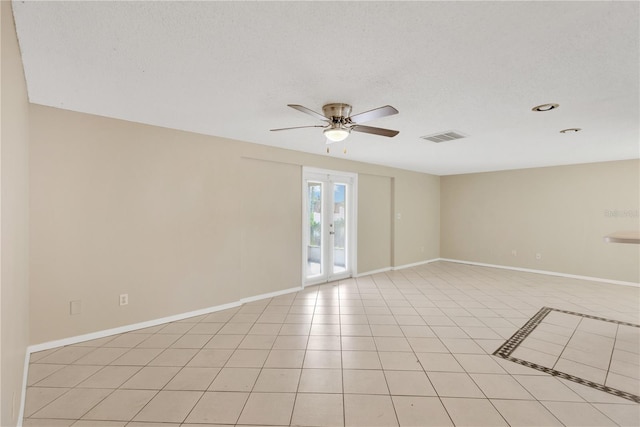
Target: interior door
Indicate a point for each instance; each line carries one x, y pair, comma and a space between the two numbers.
328, 225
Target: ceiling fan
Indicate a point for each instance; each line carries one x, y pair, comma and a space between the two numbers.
340, 123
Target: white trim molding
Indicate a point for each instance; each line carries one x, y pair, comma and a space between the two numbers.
127, 328
135, 326
415, 264
23, 395
399, 267
369, 273
270, 295
548, 273
182, 316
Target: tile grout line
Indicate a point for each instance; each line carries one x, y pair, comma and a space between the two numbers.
613, 349
254, 383
304, 356
158, 392
344, 403
479, 388
459, 282
393, 405
436, 390
204, 392
506, 349
575, 329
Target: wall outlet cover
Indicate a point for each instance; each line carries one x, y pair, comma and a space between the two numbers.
75, 307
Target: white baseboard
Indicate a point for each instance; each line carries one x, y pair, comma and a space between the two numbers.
269, 295
208, 310
415, 264
127, 328
548, 273
182, 316
23, 394
369, 273
398, 267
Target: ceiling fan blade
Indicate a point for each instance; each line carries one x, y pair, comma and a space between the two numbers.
298, 127
308, 111
376, 131
376, 113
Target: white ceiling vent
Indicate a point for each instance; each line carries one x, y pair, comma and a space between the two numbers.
449, 135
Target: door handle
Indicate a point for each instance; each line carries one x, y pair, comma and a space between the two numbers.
332, 232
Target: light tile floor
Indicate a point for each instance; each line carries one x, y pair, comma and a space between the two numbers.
410, 347
590, 350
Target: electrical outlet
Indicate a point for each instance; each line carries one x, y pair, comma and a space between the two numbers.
124, 299
398, 216
514, 252
421, 248
538, 255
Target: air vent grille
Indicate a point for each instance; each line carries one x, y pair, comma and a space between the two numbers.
444, 136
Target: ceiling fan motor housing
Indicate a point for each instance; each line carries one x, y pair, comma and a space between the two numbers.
337, 113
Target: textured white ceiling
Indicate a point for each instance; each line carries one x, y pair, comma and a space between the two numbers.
229, 69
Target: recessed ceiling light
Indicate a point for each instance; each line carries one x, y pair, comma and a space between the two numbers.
570, 130
545, 107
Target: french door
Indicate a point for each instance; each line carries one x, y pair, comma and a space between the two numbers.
329, 227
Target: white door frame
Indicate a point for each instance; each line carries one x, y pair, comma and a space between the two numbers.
328, 176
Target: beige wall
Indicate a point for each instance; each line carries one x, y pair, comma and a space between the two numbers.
271, 216
14, 295
559, 212
374, 214
180, 221
416, 234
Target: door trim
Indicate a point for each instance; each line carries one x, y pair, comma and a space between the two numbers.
352, 225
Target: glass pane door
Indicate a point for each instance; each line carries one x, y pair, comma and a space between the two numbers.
315, 232
339, 228
328, 226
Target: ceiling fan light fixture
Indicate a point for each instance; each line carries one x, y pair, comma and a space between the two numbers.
336, 134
